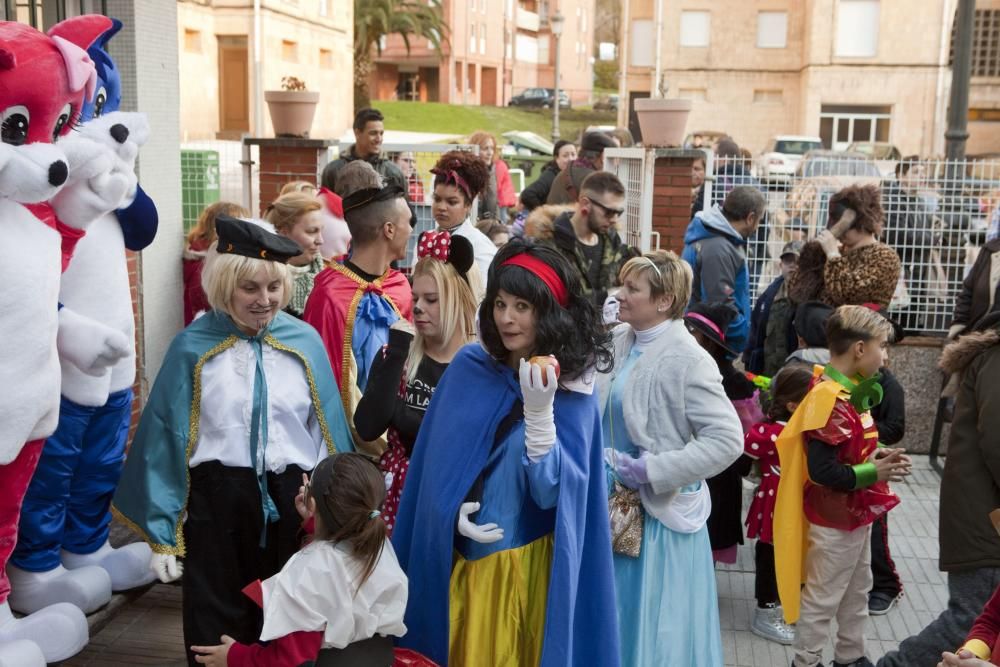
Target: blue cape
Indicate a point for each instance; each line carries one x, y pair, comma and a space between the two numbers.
152, 496
455, 439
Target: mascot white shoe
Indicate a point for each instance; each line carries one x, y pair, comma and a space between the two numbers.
48, 196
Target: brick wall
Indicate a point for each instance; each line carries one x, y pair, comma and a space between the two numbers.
284, 160
671, 200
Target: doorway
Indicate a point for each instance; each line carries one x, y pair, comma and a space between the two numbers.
234, 87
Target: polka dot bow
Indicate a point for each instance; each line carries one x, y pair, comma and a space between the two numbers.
436, 245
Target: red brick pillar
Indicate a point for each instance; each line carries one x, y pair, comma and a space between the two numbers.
672, 196
283, 160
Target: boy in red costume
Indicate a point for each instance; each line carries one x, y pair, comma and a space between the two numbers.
822, 520
354, 303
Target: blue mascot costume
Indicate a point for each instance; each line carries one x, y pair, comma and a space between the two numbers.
66, 517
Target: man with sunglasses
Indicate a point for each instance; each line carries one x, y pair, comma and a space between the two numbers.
587, 235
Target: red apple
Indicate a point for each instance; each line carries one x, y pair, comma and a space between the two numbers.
543, 363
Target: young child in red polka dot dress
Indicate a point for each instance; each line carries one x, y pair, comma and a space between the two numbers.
788, 388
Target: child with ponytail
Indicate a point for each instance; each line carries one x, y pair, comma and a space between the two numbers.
339, 601
788, 388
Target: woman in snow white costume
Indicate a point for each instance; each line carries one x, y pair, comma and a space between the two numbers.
244, 404
532, 583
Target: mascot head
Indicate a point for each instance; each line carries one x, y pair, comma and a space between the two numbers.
108, 95
43, 82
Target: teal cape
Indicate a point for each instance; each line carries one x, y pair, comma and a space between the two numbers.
475, 394
153, 492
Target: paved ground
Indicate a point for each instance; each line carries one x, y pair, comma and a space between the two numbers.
148, 631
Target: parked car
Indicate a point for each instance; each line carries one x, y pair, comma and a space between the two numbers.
886, 155
704, 139
607, 103
780, 158
539, 98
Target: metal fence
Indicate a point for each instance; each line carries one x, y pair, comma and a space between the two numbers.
937, 216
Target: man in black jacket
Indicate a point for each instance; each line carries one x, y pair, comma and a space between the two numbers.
369, 129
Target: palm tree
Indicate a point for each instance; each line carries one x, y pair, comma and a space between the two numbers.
375, 19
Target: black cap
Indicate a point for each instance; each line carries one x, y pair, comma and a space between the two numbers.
719, 314
239, 237
810, 322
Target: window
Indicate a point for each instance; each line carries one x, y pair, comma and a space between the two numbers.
326, 59
482, 39
472, 39
289, 51
508, 44
697, 94
839, 125
695, 28
324, 7
482, 6
642, 43
527, 48
192, 40
985, 43
772, 30
857, 28
767, 97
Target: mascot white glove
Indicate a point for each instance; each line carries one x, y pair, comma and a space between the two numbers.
166, 567
123, 133
485, 534
538, 397
89, 345
97, 183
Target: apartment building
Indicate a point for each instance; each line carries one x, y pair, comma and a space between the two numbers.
494, 50
231, 52
843, 70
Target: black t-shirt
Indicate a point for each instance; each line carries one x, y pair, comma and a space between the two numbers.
593, 255
367, 277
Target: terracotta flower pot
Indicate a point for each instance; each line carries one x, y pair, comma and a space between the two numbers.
662, 121
292, 111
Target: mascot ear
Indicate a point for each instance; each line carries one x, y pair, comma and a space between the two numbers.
7, 59
82, 30
461, 255
102, 42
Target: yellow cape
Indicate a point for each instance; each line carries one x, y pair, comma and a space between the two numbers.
791, 528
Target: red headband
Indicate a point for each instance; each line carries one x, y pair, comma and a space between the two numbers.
449, 176
704, 320
543, 272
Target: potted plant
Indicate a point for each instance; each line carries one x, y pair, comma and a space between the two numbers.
662, 120
292, 108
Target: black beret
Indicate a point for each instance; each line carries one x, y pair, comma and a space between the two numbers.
239, 237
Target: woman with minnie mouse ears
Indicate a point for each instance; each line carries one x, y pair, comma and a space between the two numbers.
402, 378
460, 177
503, 526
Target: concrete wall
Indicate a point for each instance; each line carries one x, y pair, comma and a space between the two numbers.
309, 32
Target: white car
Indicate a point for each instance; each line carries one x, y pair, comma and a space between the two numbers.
781, 157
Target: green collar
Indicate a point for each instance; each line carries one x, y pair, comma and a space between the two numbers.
865, 393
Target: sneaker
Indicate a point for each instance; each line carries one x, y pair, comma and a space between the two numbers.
863, 661
880, 603
769, 623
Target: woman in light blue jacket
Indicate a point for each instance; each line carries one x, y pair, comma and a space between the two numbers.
667, 427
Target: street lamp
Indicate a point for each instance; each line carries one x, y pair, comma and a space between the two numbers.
556, 24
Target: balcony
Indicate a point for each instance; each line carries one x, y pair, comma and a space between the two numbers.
526, 20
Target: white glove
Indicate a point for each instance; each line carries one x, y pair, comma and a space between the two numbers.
89, 345
166, 567
485, 534
97, 184
954, 330
107, 130
539, 422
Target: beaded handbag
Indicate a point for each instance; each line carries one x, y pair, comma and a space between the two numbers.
624, 511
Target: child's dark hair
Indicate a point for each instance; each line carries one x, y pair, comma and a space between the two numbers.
789, 385
349, 491
574, 334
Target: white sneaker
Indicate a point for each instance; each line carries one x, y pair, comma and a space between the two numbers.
58, 632
127, 566
88, 588
769, 623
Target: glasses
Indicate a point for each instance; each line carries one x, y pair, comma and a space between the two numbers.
610, 212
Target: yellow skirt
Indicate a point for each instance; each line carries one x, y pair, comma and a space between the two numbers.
497, 614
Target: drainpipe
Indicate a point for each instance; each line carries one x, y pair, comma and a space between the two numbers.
623, 105
258, 84
654, 89
940, 104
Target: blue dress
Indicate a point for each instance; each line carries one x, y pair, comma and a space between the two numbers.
668, 609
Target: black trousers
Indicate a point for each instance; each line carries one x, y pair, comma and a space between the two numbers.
766, 580
222, 538
884, 575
